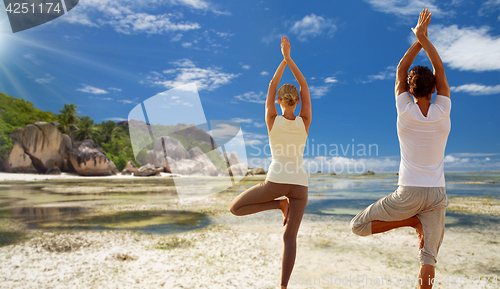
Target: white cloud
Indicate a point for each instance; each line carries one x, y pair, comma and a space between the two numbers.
338, 164
43, 80
183, 63
471, 163
91, 89
273, 36
252, 97
311, 26
264, 73
200, 5
467, 48
209, 39
248, 121
331, 79
246, 66
476, 89
114, 89
405, 7
318, 91
150, 24
177, 37
33, 58
129, 16
449, 159
254, 139
475, 154
125, 101
185, 71
224, 34
489, 7
377, 164
115, 118
242, 120
388, 73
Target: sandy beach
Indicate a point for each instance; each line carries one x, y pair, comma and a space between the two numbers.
65, 176
238, 252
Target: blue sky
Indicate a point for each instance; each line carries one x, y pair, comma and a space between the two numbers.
108, 56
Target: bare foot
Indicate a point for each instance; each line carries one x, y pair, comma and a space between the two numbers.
420, 232
284, 207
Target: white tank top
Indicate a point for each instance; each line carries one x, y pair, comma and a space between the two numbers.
287, 140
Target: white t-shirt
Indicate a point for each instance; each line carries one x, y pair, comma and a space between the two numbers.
422, 141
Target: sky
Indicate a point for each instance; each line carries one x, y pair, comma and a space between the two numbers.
107, 57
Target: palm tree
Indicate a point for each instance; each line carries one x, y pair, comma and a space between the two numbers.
70, 111
63, 124
67, 119
107, 130
87, 130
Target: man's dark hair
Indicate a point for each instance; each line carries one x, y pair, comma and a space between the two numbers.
420, 81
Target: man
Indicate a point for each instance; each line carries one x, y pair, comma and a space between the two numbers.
423, 127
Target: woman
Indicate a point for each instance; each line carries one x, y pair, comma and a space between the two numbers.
287, 175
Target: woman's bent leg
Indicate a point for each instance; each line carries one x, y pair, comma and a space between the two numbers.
259, 198
298, 201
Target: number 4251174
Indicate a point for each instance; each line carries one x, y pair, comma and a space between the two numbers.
18, 8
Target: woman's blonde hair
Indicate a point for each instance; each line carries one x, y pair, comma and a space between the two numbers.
288, 95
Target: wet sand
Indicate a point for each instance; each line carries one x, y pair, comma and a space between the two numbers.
238, 253
226, 251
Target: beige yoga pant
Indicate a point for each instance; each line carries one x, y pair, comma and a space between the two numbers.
262, 197
428, 204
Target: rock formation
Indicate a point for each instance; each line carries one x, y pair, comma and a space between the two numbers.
45, 146
258, 171
88, 159
18, 161
179, 160
41, 148
130, 168
147, 171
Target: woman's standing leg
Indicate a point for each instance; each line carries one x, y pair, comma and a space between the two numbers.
259, 198
297, 205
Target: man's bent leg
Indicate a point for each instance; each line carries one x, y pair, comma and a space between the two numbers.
382, 226
393, 211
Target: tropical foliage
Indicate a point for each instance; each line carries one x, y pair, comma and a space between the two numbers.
113, 139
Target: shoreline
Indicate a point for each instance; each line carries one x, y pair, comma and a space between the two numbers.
4, 176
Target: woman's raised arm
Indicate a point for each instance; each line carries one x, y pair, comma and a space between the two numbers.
271, 112
305, 97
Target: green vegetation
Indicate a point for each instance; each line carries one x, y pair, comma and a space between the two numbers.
113, 139
14, 113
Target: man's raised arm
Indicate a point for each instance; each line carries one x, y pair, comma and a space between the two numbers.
404, 66
420, 31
